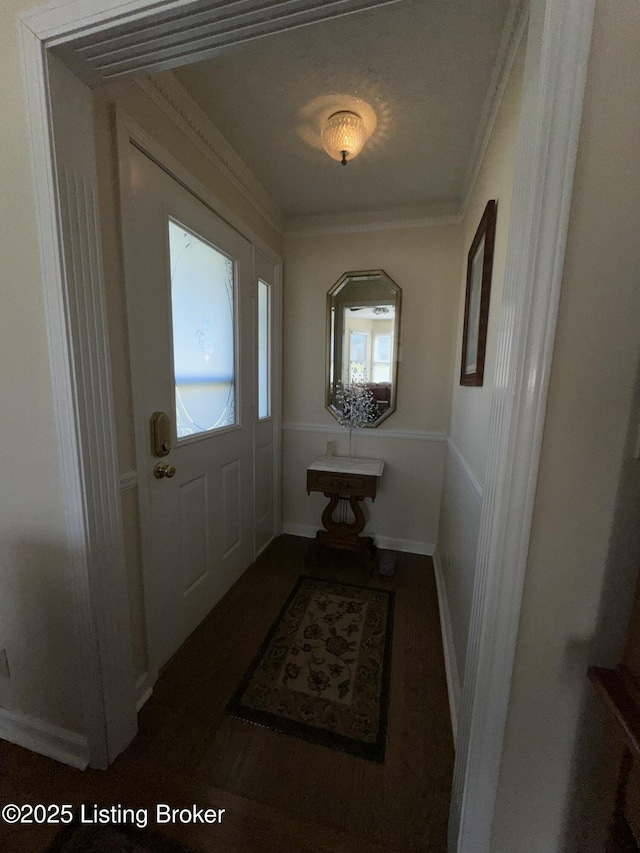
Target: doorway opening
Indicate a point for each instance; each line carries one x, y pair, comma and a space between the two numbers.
559, 32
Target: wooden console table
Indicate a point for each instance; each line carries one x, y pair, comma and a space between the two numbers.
342, 478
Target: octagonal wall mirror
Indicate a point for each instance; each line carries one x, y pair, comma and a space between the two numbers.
363, 325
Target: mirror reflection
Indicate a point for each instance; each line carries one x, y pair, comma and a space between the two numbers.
363, 324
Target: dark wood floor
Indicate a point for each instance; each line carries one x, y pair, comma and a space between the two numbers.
281, 793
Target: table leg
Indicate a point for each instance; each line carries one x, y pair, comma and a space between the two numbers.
346, 535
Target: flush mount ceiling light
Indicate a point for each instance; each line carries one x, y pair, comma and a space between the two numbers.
344, 136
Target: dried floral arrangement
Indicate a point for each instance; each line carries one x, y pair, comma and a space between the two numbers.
356, 406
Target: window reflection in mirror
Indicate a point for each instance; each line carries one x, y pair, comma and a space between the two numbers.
362, 339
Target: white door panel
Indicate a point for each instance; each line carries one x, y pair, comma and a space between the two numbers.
190, 313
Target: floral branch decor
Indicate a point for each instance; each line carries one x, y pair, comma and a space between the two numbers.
356, 406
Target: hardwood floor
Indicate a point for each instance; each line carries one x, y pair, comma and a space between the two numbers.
280, 793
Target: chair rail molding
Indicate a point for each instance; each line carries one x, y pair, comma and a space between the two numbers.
332, 429
102, 39
475, 487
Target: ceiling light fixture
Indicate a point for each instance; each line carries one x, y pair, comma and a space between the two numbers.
344, 136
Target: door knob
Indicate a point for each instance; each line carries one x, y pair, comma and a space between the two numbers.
163, 469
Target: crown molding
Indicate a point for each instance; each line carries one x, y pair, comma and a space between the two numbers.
386, 219
514, 27
174, 100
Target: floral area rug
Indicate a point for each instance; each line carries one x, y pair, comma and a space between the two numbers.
322, 672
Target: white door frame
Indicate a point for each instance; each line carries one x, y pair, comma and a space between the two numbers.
555, 76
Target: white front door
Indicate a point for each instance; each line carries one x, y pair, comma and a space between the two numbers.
191, 327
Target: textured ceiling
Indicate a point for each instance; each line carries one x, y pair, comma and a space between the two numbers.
419, 70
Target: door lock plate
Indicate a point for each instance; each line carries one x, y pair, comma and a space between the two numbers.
160, 434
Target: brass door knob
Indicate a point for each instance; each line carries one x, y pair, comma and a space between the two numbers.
163, 469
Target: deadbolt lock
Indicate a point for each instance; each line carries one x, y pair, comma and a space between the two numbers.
160, 434
163, 469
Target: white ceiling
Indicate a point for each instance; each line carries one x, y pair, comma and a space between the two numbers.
424, 68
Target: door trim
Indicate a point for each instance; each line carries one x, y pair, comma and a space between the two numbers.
558, 44
557, 62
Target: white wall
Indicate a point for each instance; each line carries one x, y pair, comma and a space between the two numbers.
469, 426
424, 263
585, 545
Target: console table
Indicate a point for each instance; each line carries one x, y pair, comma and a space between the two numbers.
345, 478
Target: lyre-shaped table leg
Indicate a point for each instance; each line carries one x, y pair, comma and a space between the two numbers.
342, 534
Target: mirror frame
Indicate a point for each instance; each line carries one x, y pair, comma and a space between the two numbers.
386, 279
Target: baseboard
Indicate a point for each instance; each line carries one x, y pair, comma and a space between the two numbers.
264, 547
408, 546
144, 689
29, 732
451, 666
308, 531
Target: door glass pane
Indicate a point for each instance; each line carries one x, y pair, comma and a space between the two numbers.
264, 337
202, 307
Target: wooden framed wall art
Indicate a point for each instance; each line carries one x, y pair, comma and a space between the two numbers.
476, 304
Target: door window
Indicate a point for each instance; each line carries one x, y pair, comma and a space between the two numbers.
264, 348
203, 322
